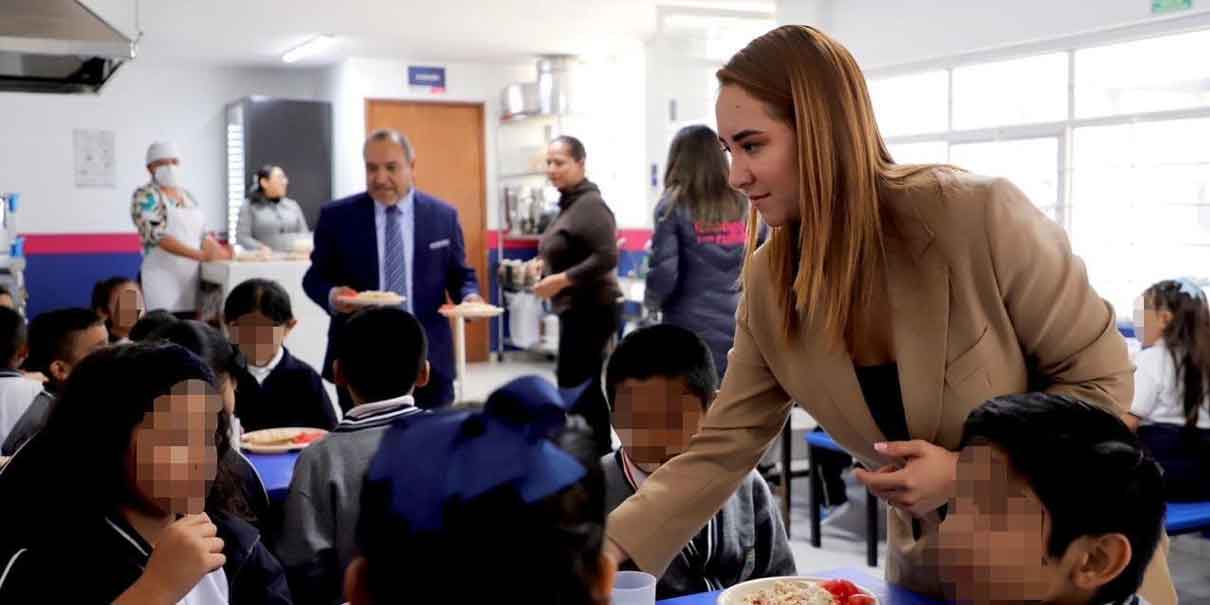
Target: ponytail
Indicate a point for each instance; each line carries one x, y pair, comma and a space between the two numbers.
1187, 337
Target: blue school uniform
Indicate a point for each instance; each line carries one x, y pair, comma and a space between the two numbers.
292, 394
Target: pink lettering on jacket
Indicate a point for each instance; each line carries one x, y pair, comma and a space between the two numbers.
727, 234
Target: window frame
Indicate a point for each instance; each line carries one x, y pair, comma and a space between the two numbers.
1064, 130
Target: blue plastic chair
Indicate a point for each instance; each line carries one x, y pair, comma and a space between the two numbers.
817, 440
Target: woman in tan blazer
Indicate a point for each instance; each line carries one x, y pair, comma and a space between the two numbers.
889, 301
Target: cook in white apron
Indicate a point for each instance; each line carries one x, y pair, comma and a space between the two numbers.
171, 282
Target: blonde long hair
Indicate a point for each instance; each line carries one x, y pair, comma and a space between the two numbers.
831, 259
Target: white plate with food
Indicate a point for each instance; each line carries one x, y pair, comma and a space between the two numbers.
797, 590
372, 298
280, 440
471, 310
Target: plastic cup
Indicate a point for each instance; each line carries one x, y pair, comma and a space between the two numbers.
634, 588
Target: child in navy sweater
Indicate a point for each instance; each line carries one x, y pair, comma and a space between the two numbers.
278, 389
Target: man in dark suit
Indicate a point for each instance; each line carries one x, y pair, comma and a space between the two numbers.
393, 238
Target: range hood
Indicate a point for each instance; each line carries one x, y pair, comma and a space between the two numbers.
57, 46
550, 94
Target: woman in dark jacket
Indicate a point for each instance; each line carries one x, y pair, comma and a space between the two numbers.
698, 247
128, 495
580, 257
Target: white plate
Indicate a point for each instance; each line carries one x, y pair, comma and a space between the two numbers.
277, 433
472, 311
362, 302
735, 595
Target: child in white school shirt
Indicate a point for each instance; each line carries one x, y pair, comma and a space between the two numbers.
1171, 407
17, 391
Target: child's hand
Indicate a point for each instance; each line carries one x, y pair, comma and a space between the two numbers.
187, 550
923, 484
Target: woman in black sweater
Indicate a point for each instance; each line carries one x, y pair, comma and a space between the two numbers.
580, 257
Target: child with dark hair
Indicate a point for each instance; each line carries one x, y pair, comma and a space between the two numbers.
512, 491
277, 389
119, 301
150, 322
126, 487
17, 391
321, 507
1171, 407
660, 381
226, 362
58, 340
1056, 502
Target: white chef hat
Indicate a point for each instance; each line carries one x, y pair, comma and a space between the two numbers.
162, 150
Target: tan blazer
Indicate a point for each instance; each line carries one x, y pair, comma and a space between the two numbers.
987, 300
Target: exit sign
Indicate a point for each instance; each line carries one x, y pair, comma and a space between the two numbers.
1169, 6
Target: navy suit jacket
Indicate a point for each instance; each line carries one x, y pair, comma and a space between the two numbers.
346, 254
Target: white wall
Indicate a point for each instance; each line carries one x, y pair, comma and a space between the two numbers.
144, 102
612, 124
892, 32
675, 73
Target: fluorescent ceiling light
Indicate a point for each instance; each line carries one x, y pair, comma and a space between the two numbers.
306, 49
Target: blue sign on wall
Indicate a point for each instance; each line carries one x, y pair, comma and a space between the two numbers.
430, 77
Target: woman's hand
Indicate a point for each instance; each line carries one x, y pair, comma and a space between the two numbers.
552, 285
211, 250
923, 483
615, 552
186, 551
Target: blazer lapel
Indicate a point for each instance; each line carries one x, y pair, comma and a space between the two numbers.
918, 281
844, 413
367, 246
421, 237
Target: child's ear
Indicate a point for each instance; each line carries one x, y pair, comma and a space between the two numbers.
1102, 559
422, 378
338, 375
59, 370
290, 326
602, 589
357, 586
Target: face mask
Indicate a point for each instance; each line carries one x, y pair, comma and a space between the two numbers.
168, 175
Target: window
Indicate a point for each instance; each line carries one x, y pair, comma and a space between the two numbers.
1031, 164
1141, 204
1087, 145
912, 104
1020, 91
932, 152
1147, 75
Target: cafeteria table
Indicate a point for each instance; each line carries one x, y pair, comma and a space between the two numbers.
886, 594
275, 471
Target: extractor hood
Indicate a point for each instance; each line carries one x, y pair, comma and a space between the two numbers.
549, 95
57, 46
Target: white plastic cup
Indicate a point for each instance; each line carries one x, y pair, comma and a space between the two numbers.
634, 588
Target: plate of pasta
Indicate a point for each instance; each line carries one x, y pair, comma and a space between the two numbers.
372, 298
797, 590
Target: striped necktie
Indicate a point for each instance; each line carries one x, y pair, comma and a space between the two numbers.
394, 262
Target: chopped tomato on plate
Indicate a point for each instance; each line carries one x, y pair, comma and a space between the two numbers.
847, 593
303, 438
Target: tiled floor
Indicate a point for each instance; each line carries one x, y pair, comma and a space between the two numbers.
843, 536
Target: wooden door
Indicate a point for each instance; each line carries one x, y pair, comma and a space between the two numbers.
450, 164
